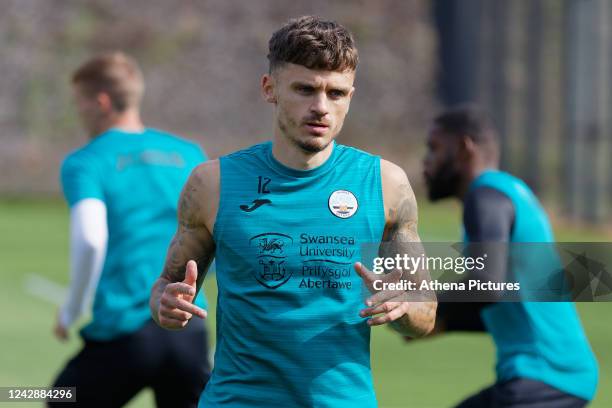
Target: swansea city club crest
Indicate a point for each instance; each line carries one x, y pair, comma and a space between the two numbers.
343, 203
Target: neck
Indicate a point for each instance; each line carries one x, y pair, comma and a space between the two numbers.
292, 156
472, 174
128, 121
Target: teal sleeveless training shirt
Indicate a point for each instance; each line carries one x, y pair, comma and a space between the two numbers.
288, 327
538, 340
139, 176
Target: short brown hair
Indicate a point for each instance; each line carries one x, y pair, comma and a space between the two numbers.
314, 44
114, 73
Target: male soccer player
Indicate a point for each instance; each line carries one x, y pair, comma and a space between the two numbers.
123, 188
543, 356
285, 221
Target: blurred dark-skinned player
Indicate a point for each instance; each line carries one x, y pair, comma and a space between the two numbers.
543, 356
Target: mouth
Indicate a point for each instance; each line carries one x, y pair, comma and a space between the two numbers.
316, 128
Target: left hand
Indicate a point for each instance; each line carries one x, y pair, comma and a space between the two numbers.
384, 305
60, 332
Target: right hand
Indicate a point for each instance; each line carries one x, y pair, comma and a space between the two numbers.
175, 305
60, 331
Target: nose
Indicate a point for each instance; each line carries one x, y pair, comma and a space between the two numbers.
319, 104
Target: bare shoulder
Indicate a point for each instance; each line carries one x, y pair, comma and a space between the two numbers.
401, 214
200, 197
392, 174
206, 175
396, 186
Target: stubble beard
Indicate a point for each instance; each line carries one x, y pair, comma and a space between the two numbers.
445, 183
309, 145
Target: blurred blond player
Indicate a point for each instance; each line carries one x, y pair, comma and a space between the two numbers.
122, 188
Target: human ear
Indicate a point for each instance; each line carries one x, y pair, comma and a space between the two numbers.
104, 102
467, 147
268, 88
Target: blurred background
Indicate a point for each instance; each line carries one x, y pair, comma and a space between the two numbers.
542, 68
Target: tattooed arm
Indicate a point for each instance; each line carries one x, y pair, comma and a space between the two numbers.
192, 247
410, 313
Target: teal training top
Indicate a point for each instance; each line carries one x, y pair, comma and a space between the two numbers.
139, 176
538, 340
289, 332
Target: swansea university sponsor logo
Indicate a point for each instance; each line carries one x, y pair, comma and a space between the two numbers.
272, 271
325, 274
255, 205
327, 261
315, 262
